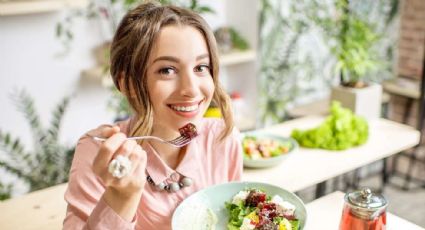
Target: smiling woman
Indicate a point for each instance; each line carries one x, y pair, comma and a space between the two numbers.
179, 79
164, 60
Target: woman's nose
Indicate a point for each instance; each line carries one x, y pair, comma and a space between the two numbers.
189, 84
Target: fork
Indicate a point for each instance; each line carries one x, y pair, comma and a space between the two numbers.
179, 141
187, 134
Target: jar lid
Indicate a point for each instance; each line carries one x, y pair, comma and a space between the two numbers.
365, 199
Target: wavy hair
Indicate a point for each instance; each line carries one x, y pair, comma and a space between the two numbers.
130, 52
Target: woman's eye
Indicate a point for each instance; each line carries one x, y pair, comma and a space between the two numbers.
167, 71
202, 68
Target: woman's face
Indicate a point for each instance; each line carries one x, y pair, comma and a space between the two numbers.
179, 81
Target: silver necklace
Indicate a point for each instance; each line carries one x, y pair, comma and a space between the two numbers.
170, 187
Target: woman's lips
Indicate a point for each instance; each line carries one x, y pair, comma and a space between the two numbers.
187, 110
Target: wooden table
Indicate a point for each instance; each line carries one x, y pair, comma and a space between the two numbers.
307, 167
45, 209
325, 214
40, 210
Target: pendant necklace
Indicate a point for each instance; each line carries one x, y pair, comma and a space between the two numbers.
170, 187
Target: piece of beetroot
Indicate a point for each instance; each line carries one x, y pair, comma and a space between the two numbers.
254, 198
189, 131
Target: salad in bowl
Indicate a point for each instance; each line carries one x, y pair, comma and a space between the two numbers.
265, 150
253, 209
240, 205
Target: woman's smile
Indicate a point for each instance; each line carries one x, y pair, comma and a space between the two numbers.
186, 109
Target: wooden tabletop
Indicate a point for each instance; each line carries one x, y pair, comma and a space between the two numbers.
45, 209
325, 214
40, 210
307, 167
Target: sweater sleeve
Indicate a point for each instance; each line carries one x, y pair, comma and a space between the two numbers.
86, 208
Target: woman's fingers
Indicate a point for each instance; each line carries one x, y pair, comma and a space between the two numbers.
126, 148
138, 157
104, 131
143, 158
108, 148
135, 180
116, 144
109, 131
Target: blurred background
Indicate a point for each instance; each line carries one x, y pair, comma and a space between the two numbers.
280, 60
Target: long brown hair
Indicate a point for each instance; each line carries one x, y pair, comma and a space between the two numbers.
130, 51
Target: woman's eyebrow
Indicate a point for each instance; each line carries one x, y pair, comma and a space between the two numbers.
202, 56
176, 60
167, 58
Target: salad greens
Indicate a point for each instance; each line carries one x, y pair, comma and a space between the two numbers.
253, 209
341, 130
236, 214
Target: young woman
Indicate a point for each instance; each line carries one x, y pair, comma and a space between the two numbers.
164, 60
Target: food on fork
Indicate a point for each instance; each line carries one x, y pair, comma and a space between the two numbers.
189, 131
187, 134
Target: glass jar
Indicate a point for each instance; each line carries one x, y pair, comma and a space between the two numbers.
239, 109
364, 210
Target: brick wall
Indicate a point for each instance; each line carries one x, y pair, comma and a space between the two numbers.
411, 49
411, 52
397, 109
412, 38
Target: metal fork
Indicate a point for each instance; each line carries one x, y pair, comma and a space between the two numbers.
177, 142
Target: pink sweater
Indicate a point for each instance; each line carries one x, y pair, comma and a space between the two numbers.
207, 162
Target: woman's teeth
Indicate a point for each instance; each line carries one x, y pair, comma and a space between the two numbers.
185, 108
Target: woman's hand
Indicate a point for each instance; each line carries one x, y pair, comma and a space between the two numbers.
123, 194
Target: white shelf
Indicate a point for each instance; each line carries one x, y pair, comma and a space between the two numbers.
237, 57
13, 7
98, 74
404, 87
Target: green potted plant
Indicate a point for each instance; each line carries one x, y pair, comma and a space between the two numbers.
356, 61
5, 191
48, 162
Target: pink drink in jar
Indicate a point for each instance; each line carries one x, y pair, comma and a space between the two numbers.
364, 211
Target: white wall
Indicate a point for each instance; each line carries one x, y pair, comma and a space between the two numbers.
28, 60
242, 15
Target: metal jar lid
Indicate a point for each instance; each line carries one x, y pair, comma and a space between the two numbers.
365, 204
